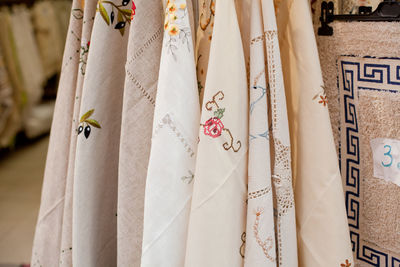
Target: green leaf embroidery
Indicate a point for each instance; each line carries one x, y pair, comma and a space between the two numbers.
127, 12
121, 23
104, 13
219, 113
93, 122
86, 115
122, 31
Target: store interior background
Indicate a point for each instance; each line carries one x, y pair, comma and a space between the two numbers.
32, 40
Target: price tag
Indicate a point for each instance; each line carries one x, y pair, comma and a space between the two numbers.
386, 154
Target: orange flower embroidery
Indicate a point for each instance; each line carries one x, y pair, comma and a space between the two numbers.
171, 7
324, 100
346, 264
173, 29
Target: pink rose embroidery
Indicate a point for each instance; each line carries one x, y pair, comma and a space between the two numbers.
213, 127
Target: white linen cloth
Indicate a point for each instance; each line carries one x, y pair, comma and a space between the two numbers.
282, 169
260, 231
322, 230
218, 212
172, 160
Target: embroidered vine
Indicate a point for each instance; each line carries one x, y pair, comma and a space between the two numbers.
176, 27
83, 57
214, 127
189, 178
242, 247
85, 123
263, 93
346, 264
124, 14
267, 244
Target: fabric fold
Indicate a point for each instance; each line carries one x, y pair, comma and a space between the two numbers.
218, 213
322, 230
260, 231
170, 175
142, 65
94, 231
47, 245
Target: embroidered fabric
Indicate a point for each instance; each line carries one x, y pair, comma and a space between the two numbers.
260, 238
172, 159
281, 170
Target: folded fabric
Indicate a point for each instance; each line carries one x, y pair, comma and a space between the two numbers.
260, 230
141, 79
52, 245
174, 143
218, 213
49, 39
322, 230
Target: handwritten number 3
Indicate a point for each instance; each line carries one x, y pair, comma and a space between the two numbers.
389, 155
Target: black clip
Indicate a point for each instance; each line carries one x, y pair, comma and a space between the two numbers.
388, 10
326, 18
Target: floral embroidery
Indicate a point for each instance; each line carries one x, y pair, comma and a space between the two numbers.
242, 247
85, 122
213, 126
267, 244
124, 14
321, 96
83, 57
188, 179
323, 100
175, 26
346, 264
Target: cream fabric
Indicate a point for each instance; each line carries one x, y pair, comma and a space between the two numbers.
49, 39
7, 45
281, 170
203, 41
218, 212
260, 231
7, 103
85, 12
322, 231
64, 12
143, 63
94, 232
173, 151
47, 247
28, 55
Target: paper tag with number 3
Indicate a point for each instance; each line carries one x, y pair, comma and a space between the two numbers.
386, 154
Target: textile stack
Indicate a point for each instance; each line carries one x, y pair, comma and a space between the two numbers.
32, 37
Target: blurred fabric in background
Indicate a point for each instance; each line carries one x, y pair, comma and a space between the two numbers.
32, 39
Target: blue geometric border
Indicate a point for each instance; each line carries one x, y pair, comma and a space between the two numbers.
353, 72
